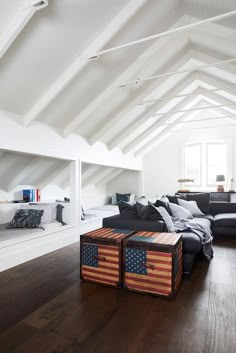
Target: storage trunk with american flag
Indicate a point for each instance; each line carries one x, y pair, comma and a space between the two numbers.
101, 256
153, 263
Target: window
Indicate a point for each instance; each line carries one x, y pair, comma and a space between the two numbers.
204, 161
192, 163
217, 162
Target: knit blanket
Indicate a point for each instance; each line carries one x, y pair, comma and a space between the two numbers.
204, 234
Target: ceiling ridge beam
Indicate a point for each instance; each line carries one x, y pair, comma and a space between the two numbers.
19, 21
141, 60
80, 63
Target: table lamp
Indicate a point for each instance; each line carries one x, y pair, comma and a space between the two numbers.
220, 179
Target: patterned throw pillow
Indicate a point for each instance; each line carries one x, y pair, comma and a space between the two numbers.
26, 218
122, 197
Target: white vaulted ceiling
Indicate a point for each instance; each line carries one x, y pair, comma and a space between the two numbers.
46, 74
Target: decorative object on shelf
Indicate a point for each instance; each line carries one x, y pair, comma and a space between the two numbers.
220, 179
231, 185
32, 195
182, 181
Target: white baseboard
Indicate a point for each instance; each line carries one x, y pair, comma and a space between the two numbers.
21, 252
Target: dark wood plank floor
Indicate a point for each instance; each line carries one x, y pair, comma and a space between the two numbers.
44, 308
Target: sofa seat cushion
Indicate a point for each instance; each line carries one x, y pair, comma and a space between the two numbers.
209, 217
191, 243
225, 220
206, 223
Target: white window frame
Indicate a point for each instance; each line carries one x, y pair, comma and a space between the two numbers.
203, 185
226, 182
187, 185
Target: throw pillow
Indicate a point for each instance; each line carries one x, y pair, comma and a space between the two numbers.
26, 218
127, 210
148, 212
191, 206
202, 199
122, 197
179, 212
59, 214
160, 203
47, 216
113, 199
142, 200
167, 219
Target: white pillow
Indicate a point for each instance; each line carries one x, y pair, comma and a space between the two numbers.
113, 199
49, 214
179, 212
132, 198
191, 206
167, 219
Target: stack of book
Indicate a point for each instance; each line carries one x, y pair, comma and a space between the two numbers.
32, 195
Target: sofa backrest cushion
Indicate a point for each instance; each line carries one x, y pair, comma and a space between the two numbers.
127, 210
202, 199
148, 212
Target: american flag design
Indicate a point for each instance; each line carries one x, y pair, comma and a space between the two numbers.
101, 263
154, 271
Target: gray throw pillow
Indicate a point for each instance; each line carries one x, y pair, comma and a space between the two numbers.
192, 207
122, 197
167, 219
179, 212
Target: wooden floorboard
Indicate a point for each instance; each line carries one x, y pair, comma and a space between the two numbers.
44, 308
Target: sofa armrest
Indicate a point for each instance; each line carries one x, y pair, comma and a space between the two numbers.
222, 207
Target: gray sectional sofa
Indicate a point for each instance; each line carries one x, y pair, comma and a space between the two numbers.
220, 219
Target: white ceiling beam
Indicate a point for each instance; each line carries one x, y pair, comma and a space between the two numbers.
19, 21
201, 108
169, 32
53, 176
204, 76
153, 129
200, 128
180, 85
142, 92
132, 7
20, 178
194, 69
109, 90
165, 133
150, 131
110, 177
206, 91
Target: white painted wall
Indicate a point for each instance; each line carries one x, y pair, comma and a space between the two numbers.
161, 166
93, 196
43, 140
49, 193
127, 182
